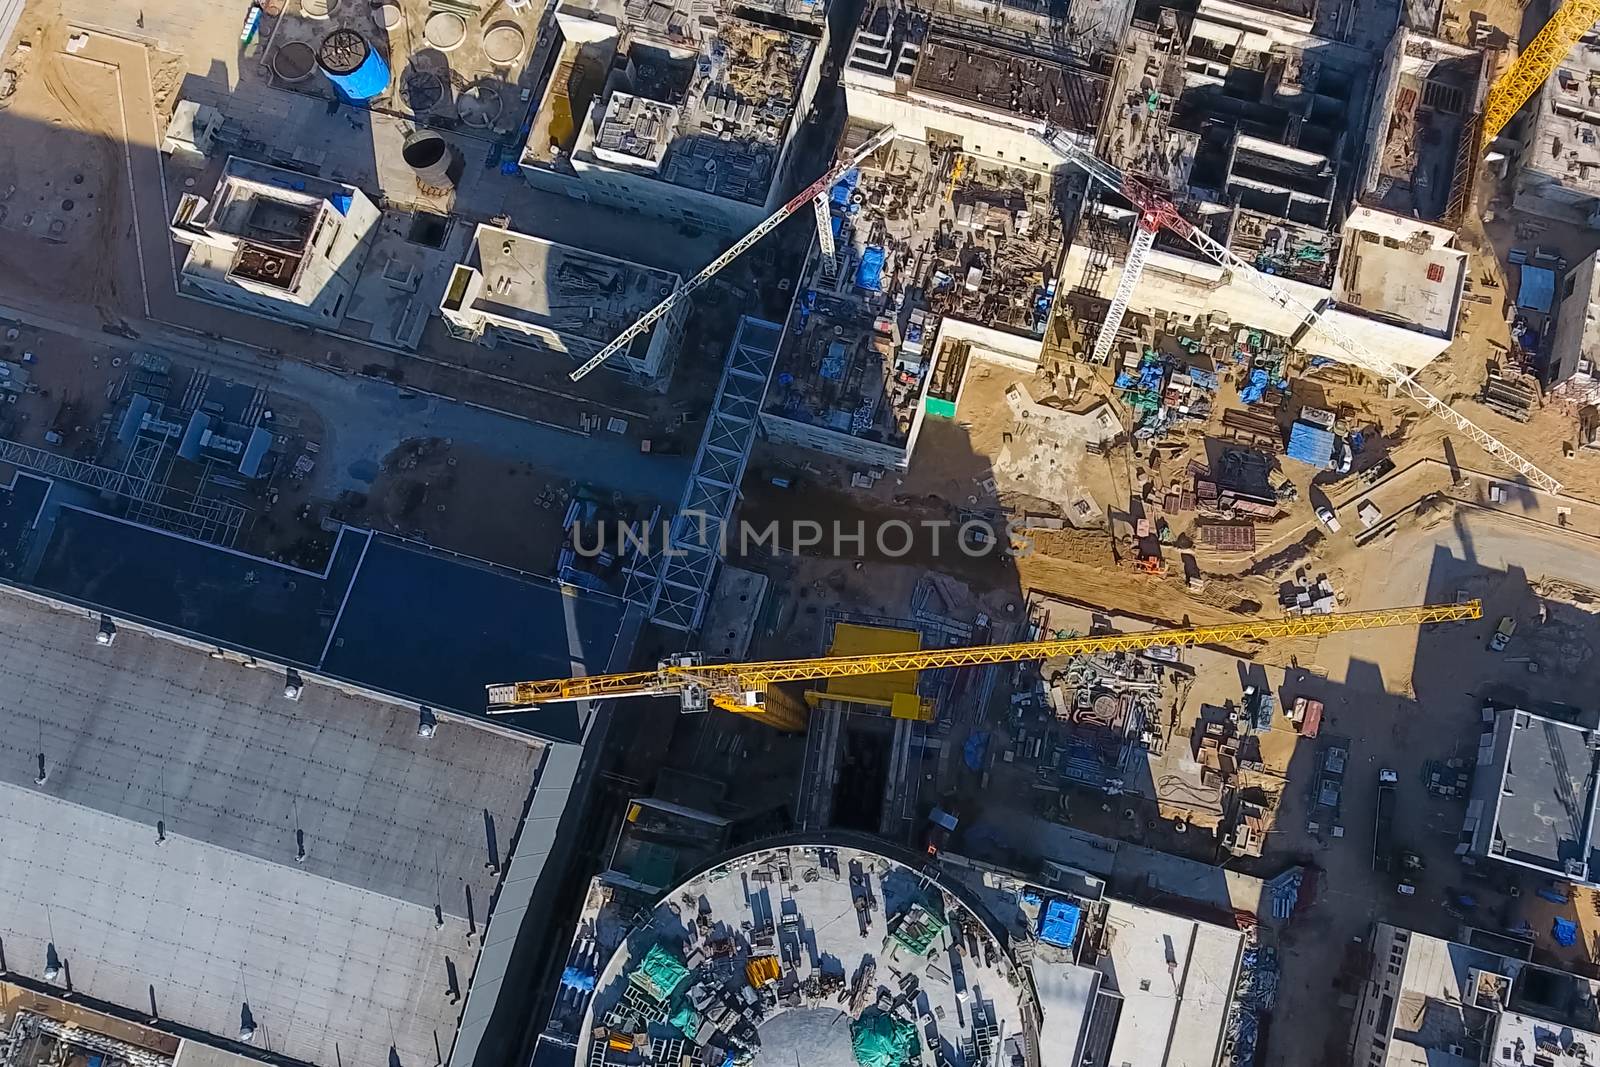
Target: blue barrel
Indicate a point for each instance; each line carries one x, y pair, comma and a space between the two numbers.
354, 67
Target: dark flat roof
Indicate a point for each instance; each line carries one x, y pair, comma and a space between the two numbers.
391, 616
1547, 796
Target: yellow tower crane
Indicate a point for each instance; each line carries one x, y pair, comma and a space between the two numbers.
742, 687
1537, 62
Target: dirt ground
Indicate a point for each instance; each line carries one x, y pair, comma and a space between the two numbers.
62, 179
462, 499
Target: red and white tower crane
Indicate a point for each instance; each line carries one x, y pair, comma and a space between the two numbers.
1156, 212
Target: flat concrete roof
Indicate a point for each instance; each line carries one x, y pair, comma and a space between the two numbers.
574, 292
339, 956
1420, 289
1545, 813
1176, 977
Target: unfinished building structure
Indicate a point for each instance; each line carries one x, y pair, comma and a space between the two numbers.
1429, 1000
276, 242
930, 243
529, 291
684, 111
984, 80
1254, 125
1419, 138
1574, 367
1559, 169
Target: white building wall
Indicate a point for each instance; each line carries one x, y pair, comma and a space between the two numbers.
998, 136
331, 266
656, 367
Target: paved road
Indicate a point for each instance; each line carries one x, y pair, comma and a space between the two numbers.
1403, 698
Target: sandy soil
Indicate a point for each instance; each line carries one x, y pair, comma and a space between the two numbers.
62, 173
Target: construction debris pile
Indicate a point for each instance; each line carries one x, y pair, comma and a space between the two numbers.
1102, 710
1305, 596
1254, 998
1164, 391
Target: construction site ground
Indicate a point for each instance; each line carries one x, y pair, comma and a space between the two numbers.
1401, 698
89, 198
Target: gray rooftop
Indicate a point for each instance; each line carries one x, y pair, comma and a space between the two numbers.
339, 956
576, 293
1545, 816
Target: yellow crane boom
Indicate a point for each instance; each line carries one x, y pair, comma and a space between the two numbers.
741, 687
1536, 63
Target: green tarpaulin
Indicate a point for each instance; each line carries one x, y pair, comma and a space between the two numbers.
659, 973
881, 1040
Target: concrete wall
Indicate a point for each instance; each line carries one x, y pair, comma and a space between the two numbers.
656, 367
1372, 1031
1577, 320
1008, 138
331, 267
782, 431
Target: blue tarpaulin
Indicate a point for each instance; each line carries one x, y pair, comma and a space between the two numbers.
845, 186
573, 978
1256, 388
342, 202
973, 751
1059, 924
1537, 290
1311, 444
870, 275
1554, 896
1565, 931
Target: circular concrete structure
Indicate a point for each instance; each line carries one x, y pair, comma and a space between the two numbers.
388, 17
503, 43
294, 61
318, 9
806, 954
445, 30
422, 90
480, 105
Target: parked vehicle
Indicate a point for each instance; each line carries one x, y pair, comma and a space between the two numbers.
1382, 843
1502, 634
1326, 516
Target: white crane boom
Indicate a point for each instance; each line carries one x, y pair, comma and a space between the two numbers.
770, 223
1155, 211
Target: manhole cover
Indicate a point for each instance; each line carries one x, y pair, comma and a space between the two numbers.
66, 205
294, 61
77, 179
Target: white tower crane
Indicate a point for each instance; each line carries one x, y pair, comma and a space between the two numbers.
1156, 212
815, 190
